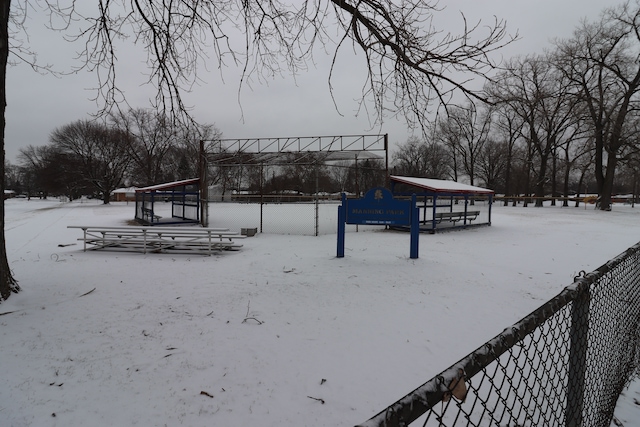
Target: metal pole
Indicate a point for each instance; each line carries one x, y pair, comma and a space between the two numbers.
386, 158
317, 203
261, 194
357, 187
204, 188
578, 357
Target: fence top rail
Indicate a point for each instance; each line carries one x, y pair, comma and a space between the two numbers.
589, 278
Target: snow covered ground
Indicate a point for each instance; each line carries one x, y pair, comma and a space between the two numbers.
281, 333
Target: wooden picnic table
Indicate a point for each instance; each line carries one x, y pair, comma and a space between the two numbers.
159, 239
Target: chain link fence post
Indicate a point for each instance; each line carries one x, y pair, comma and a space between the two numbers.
579, 336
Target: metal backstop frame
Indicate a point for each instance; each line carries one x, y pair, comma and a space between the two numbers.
307, 152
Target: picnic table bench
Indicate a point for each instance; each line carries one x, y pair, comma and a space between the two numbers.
456, 216
159, 239
148, 214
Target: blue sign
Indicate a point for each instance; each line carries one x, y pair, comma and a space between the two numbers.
378, 207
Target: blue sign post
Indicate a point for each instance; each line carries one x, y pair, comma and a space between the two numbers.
378, 207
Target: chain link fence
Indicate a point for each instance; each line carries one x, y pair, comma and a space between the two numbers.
315, 216
290, 214
564, 364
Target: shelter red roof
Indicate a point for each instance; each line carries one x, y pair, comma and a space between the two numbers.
168, 185
440, 186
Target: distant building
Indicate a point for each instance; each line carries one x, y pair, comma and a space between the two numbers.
8, 194
124, 194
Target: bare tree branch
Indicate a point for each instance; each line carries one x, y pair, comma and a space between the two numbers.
411, 65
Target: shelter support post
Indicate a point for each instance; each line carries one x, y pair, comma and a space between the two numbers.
433, 216
415, 228
466, 209
490, 204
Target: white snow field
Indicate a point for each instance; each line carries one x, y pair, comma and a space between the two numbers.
280, 333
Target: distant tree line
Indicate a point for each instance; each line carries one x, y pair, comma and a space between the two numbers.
135, 148
559, 123
141, 148
296, 173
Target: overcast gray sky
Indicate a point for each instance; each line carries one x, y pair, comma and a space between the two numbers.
37, 104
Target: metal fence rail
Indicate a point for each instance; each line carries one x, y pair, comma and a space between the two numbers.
564, 364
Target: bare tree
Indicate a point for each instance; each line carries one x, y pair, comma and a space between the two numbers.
601, 60
507, 128
539, 94
50, 170
631, 170
371, 173
34, 161
8, 283
184, 159
420, 158
574, 146
583, 164
492, 164
340, 173
101, 153
466, 130
152, 138
12, 177
411, 63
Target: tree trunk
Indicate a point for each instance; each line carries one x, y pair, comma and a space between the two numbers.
635, 188
565, 185
507, 179
542, 174
527, 187
604, 201
599, 158
583, 173
568, 165
539, 193
7, 283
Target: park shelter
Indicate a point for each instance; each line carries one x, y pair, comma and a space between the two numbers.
445, 204
170, 203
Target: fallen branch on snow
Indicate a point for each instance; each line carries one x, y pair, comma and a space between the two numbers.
247, 317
